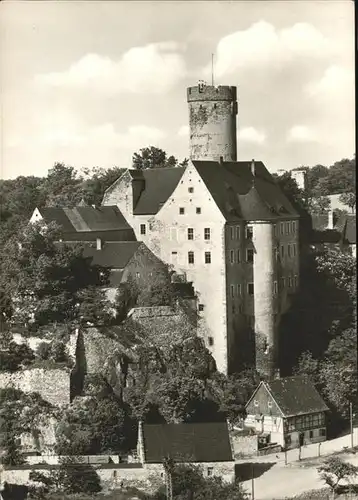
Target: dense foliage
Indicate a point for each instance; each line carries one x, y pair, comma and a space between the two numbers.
152, 157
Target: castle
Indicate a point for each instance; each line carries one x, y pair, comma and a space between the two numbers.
225, 225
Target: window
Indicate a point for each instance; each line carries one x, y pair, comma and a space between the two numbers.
210, 341
289, 250
287, 228
250, 288
322, 432
137, 275
282, 251
250, 255
275, 287
296, 281
237, 232
232, 289
274, 230
191, 190
269, 404
293, 226
181, 210
238, 256
207, 233
210, 471
249, 232
207, 258
311, 434
256, 403
142, 229
294, 252
283, 283
201, 307
282, 226
232, 256
191, 257
277, 253
232, 232
238, 289
198, 210
289, 282
190, 233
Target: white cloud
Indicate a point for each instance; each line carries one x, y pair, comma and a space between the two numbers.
183, 131
263, 44
152, 68
301, 133
250, 134
336, 80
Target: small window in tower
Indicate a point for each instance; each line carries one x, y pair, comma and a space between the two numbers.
289, 250
249, 232
142, 229
137, 275
277, 253
207, 258
215, 106
283, 282
287, 228
275, 287
232, 290
250, 288
181, 210
296, 281
210, 341
198, 210
237, 232
191, 257
201, 307
250, 255
238, 289
232, 256
190, 233
293, 226
282, 251
232, 232
191, 190
207, 233
282, 227
289, 282
238, 256
294, 249
274, 230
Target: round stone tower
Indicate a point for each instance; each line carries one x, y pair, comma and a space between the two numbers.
212, 122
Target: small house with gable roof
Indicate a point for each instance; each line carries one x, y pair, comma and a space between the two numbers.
287, 411
206, 445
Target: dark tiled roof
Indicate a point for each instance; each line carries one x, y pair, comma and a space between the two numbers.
159, 184
346, 224
240, 194
113, 255
84, 219
326, 236
296, 396
205, 442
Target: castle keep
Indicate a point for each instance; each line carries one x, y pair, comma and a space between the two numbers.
225, 225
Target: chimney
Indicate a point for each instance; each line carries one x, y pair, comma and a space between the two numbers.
99, 244
330, 220
253, 169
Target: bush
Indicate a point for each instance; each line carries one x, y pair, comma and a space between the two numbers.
15, 356
59, 352
43, 350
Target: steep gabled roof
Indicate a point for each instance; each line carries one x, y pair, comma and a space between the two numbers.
113, 255
294, 396
204, 442
86, 218
240, 194
158, 185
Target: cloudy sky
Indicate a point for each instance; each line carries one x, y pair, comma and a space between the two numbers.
89, 83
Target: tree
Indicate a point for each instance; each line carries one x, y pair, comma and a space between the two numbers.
72, 476
96, 183
308, 367
348, 199
319, 204
152, 157
62, 187
52, 283
335, 470
13, 356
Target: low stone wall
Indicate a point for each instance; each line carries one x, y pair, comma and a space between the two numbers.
52, 384
226, 470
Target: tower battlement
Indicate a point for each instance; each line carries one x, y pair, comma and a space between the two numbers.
211, 93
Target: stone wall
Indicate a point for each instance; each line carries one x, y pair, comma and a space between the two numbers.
244, 445
226, 470
52, 384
